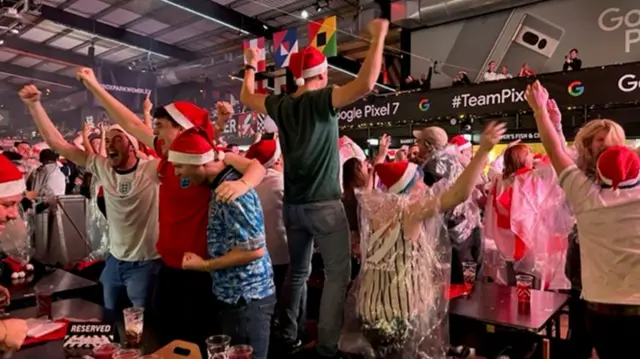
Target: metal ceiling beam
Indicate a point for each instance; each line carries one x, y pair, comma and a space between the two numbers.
120, 35
38, 75
246, 25
32, 49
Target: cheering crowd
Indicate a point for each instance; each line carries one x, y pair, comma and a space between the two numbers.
213, 242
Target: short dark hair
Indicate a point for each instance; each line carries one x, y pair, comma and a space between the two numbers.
48, 155
18, 143
161, 112
12, 156
574, 49
232, 145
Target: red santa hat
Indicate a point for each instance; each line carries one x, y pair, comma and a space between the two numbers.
618, 166
307, 63
11, 179
265, 151
460, 142
396, 176
188, 116
192, 147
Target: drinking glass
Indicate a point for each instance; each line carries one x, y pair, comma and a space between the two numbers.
106, 351
524, 282
218, 356
133, 325
469, 273
240, 352
127, 354
44, 301
217, 344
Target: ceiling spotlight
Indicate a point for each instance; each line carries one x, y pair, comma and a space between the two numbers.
1, 42
304, 14
14, 30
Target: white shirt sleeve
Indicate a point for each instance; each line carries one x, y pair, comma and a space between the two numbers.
580, 190
57, 183
97, 166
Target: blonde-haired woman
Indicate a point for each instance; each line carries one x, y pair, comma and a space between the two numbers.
593, 138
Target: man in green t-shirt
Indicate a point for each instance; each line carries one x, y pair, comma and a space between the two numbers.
308, 132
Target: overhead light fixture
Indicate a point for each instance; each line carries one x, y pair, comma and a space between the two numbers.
14, 30
1, 42
304, 14
191, 11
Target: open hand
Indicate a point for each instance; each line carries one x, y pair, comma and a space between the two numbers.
86, 75
554, 113
492, 134
230, 190
30, 95
385, 142
537, 96
192, 261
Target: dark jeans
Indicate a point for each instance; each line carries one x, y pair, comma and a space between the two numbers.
183, 306
614, 336
135, 279
581, 343
247, 323
280, 272
326, 224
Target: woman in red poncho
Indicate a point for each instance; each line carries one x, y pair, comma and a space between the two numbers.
527, 220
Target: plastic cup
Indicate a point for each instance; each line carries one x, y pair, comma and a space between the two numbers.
217, 344
469, 270
105, 351
127, 354
44, 301
524, 283
240, 352
133, 325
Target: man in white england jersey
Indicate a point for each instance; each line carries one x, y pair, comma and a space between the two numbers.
131, 197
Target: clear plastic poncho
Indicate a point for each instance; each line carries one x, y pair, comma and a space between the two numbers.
349, 149
96, 223
397, 306
16, 239
527, 222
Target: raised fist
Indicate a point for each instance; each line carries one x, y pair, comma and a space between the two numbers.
86, 75
30, 94
224, 109
378, 28
252, 55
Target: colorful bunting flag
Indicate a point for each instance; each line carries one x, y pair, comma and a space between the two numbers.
280, 85
259, 44
391, 70
262, 86
323, 36
285, 43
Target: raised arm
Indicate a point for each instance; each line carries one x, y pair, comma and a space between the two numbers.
538, 99
369, 72
147, 106
383, 150
30, 95
86, 143
117, 111
465, 184
248, 95
253, 174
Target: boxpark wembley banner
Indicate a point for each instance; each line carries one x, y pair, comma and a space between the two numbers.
129, 87
615, 84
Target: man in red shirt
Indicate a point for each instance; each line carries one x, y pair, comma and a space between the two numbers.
182, 298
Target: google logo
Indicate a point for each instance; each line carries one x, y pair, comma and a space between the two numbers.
424, 104
576, 88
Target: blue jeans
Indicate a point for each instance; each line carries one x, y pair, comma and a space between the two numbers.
247, 323
135, 279
326, 224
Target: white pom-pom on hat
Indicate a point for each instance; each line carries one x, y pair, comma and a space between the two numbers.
300, 81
